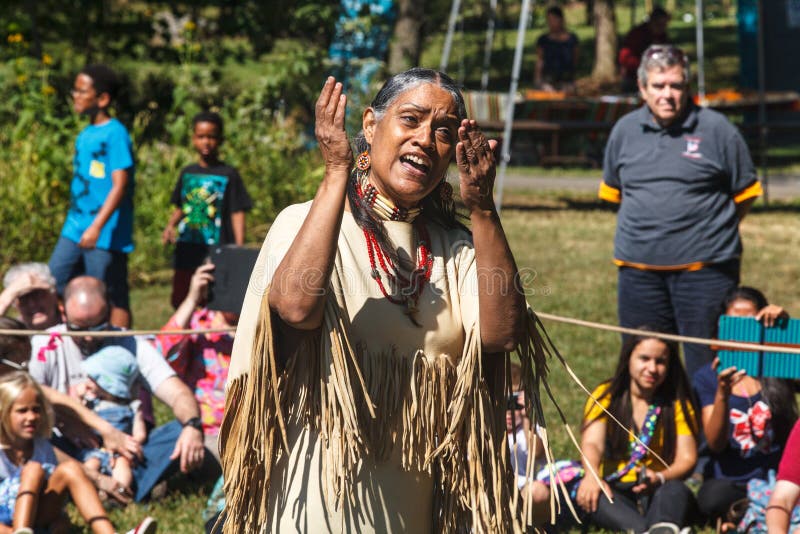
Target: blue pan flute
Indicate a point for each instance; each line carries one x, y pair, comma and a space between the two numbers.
760, 363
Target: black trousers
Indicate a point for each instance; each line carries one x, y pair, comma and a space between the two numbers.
716, 496
672, 502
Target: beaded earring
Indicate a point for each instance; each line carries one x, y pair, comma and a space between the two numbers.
362, 162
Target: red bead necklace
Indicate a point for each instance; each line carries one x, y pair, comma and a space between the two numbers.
407, 290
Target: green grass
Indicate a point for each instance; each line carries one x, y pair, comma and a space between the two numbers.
565, 242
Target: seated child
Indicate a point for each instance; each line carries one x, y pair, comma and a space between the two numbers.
111, 391
33, 484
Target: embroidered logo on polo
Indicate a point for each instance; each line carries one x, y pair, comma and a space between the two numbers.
692, 147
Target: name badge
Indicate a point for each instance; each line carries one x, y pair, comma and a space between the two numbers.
97, 169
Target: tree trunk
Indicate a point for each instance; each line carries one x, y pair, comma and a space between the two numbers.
605, 56
404, 50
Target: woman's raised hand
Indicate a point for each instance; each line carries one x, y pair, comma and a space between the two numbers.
727, 378
329, 126
476, 166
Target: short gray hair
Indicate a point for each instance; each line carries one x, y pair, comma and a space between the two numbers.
37, 269
660, 57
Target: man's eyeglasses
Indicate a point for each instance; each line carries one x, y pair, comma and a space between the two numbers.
513, 403
96, 328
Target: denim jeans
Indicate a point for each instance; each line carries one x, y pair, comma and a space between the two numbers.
688, 303
673, 503
69, 260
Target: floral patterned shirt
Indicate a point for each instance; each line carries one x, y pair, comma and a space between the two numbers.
202, 362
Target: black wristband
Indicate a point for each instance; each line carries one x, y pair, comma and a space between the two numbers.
194, 422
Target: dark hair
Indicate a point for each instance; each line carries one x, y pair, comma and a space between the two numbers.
778, 393
659, 13
675, 387
555, 11
209, 116
747, 293
16, 348
434, 208
104, 79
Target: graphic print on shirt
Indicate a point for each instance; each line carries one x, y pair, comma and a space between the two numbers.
202, 200
81, 184
692, 147
750, 430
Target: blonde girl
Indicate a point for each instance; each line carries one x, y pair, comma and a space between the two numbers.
34, 485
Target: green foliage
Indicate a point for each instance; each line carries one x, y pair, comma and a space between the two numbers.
265, 140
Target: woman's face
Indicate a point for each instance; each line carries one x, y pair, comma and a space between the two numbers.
648, 364
412, 144
742, 308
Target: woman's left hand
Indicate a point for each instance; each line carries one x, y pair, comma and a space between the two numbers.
476, 166
648, 481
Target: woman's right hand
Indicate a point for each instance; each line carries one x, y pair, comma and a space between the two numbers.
727, 378
588, 494
329, 127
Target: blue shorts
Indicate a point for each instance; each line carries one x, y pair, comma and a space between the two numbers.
68, 260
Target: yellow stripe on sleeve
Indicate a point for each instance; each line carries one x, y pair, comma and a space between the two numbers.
751, 191
608, 193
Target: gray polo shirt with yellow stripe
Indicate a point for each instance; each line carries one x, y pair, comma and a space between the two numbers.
678, 188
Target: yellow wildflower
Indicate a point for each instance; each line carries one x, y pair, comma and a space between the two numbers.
190, 26
15, 38
47, 59
48, 90
22, 78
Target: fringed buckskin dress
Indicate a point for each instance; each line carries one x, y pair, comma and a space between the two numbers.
370, 423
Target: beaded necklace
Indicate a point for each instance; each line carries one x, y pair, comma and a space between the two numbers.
638, 449
406, 290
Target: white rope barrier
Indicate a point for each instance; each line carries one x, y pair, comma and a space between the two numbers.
117, 333
671, 337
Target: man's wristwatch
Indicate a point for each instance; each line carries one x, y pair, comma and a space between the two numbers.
194, 422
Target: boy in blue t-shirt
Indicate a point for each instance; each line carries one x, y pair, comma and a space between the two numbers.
98, 231
210, 203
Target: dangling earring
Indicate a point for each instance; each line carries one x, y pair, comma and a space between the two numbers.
362, 162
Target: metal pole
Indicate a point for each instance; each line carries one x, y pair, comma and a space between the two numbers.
512, 91
487, 48
762, 104
448, 40
701, 56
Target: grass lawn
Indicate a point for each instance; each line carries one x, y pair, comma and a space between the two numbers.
566, 243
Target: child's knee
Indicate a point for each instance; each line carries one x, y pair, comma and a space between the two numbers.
32, 471
69, 469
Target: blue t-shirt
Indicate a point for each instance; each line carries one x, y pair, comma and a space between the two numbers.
752, 449
99, 151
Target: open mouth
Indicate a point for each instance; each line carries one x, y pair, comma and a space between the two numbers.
416, 162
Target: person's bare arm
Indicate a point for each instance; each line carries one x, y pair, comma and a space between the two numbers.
113, 439
238, 225
779, 510
743, 208
119, 179
300, 282
189, 446
593, 440
715, 416
169, 235
501, 302
537, 78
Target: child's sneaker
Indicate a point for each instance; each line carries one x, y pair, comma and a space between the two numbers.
147, 526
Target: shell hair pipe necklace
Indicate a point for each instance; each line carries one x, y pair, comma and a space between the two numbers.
406, 290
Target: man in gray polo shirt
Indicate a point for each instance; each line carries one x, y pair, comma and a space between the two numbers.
684, 180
